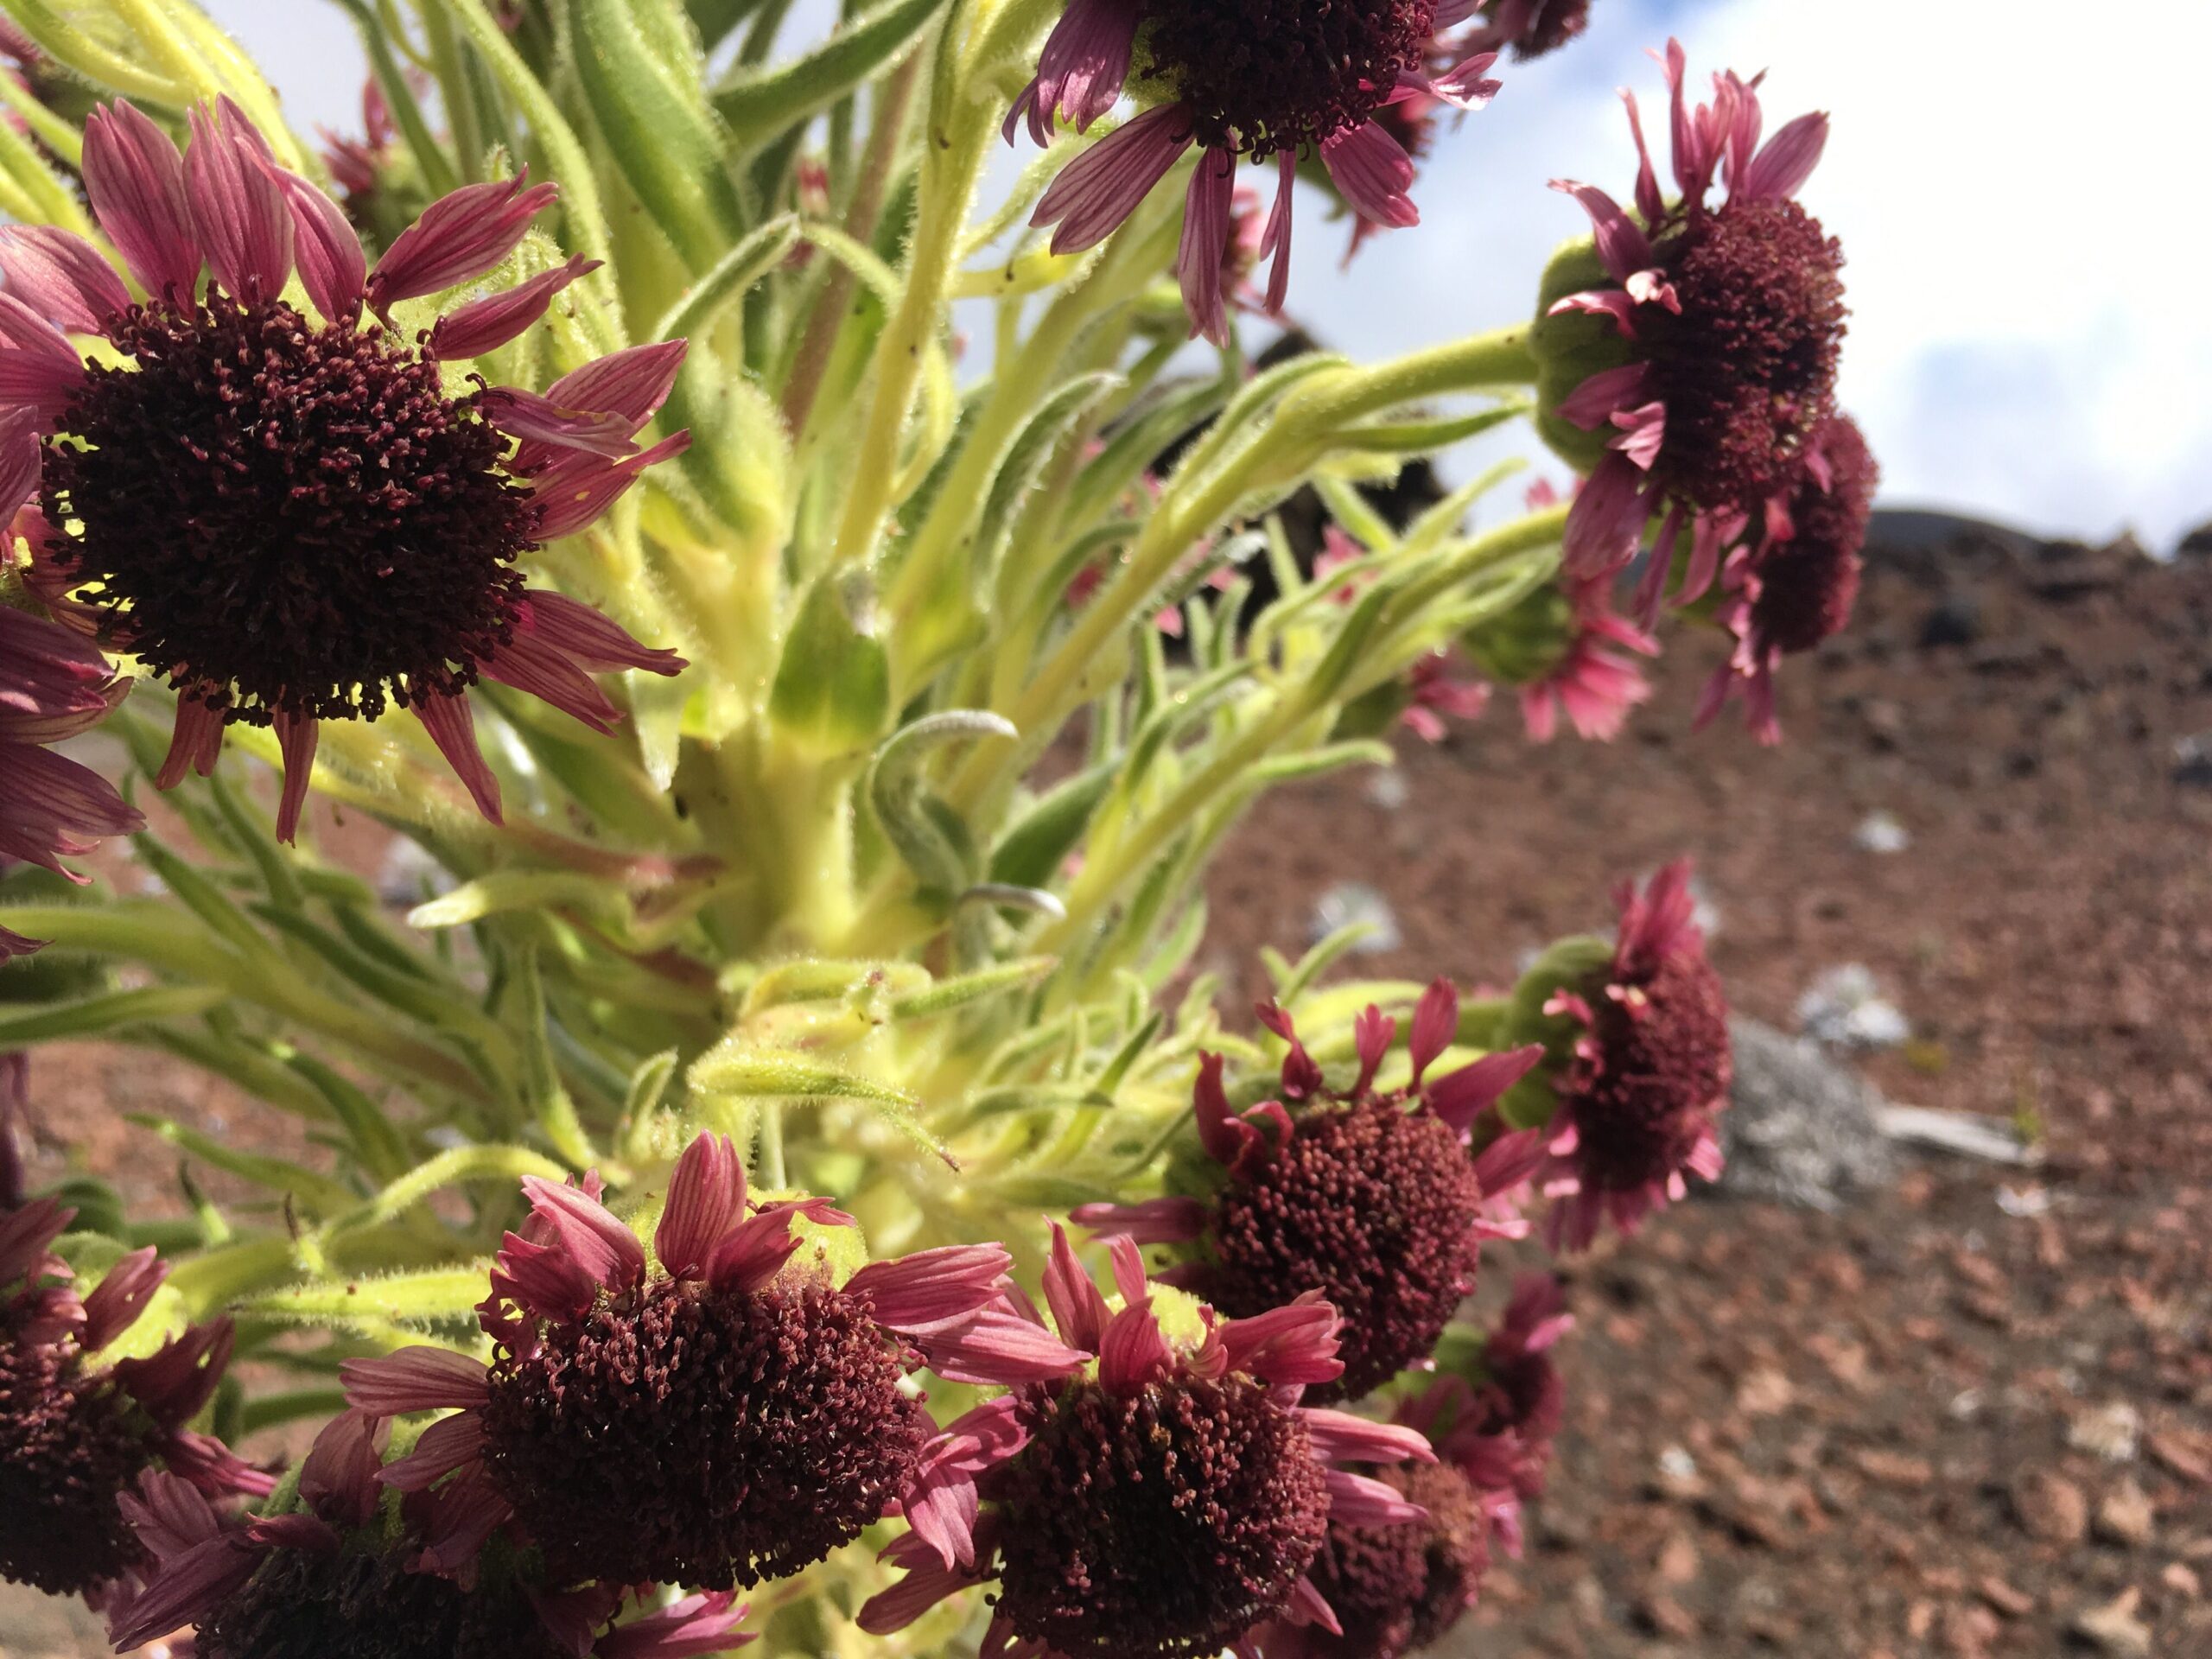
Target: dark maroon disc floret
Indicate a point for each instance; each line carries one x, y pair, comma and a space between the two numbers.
295, 516
1369, 1205
1395, 1590
1167, 1522
1663, 1061
1747, 369
1808, 584
1263, 75
712, 1439
67, 1451
1552, 25
361, 1602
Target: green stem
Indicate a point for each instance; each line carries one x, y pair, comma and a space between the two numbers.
461, 104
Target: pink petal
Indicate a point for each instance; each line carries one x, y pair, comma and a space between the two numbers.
1206, 208
485, 325
1359, 1501
571, 498
1100, 188
706, 1199
920, 1295
543, 1280
176, 1384
527, 416
1649, 201
119, 1299
1787, 160
1607, 521
923, 1588
1612, 303
449, 1444
1463, 1094
1374, 171
1293, 1345
25, 1236
1078, 1310
587, 637
1309, 1606
1373, 1031
634, 382
458, 238
1151, 1221
599, 1244
188, 1587
1003, 1348
414, 1379
195, 742
461, 1518
339, 1479
333, 267
1082, 69
1277, 238
62, 276
22, 461
1133, 1352
135, 179
296, 738
451, 723
1340, 1437
239, 214
696, 1624
1436, 1023
753, 1252
1622, 245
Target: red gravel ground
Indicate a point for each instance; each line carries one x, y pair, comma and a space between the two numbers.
1927, 1425
1933, 1424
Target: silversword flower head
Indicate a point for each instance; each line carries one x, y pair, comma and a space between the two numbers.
1139, 1493
1367, 1196
1397, 1590
1794, 585
1648, 1070
1696, 370
338, 1571
53, 684
730, 1419
1250, 79
292, 517
76, 1432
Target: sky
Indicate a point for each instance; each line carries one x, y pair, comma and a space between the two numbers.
2011, 188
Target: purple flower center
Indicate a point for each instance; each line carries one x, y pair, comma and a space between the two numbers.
1397, 1589
66, 1452
290, 517
1168, 1522
1747, 371
1369, 1205
362, 1603
1662, 1065
708, 1439
1259, 76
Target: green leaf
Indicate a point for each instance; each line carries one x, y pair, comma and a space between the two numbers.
833, 687
99, 1014
932, 839
508, 890
317, 1195
440, 1296
543, 1091
1426, 438
656, 122
753, 1074
201, 897
376, 1143
504, 1165
701, 306
957, 993
1033, 851
759, 104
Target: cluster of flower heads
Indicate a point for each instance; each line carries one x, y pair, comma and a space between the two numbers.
1702, 365
335, 1567
1240, 80
291, 518
1368, 1196
79, 1427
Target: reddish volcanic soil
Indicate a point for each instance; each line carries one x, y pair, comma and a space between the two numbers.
1969, 1414
1926, 1425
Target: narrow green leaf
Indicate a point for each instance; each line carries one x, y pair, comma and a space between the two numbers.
728, 280
507, 890
317, 1195
100, 1014
376, 1143
759, 104
753, 1074
658, 128
503, 1165
441, 1296
1033, 851
968, 987
932, 840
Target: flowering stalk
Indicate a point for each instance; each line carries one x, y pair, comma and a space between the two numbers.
779, 749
